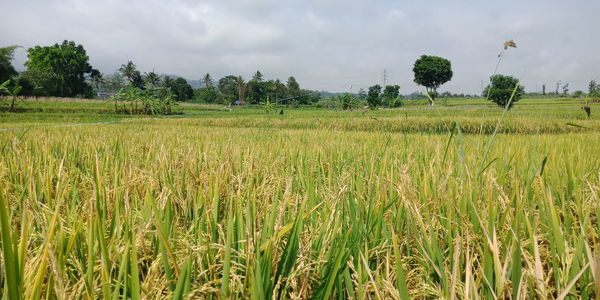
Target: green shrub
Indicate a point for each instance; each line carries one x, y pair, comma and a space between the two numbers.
502, 88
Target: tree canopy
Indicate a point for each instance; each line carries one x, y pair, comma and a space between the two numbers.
180, 88
431, 72
373, 96
7, 71
501, 89
65, 67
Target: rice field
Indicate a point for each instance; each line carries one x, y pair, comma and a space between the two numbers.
405, 204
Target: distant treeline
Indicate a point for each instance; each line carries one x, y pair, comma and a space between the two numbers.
63, 70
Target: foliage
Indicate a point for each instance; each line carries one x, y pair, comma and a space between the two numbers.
504, 90
182, 91
152, 101
13, 93
256, 91
112, 83
64, 68
152, 79
391, 96
256, 88
207, 95
268, 106
374, 96
391, 91
96, 78
4, 87
277, 90
241, 88
362, 95
293, 88
594, 91
329, 103
7, 71
130, 71
207, 81
228, 87
348, 101
431, 72
35, 82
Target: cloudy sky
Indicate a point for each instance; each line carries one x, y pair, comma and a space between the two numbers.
325, 44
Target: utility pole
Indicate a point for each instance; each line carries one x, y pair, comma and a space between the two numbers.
384, 78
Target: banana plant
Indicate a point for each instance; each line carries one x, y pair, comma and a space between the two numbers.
268, 106
13, 93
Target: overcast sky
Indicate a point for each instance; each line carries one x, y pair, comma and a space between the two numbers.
325, 44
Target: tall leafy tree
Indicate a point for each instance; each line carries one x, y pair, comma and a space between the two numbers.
7, 71
391, 91
207, 94
256, 88
35, 82
228, 87
391, 95
276, 90
180, 88
293, 88
374, 96
65, 64
431, 72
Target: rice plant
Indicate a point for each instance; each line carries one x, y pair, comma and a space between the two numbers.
209, 208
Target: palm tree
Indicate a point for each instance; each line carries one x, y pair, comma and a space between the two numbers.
152, 79
208, 82
167, 81
97, 78
241, 86
129, 71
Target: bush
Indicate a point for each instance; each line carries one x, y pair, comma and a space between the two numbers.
330, 103
154, 101
348, 102
501, 89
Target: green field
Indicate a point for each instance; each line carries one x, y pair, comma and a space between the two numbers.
416, 202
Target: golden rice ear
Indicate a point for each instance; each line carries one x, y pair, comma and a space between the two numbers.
510, 43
